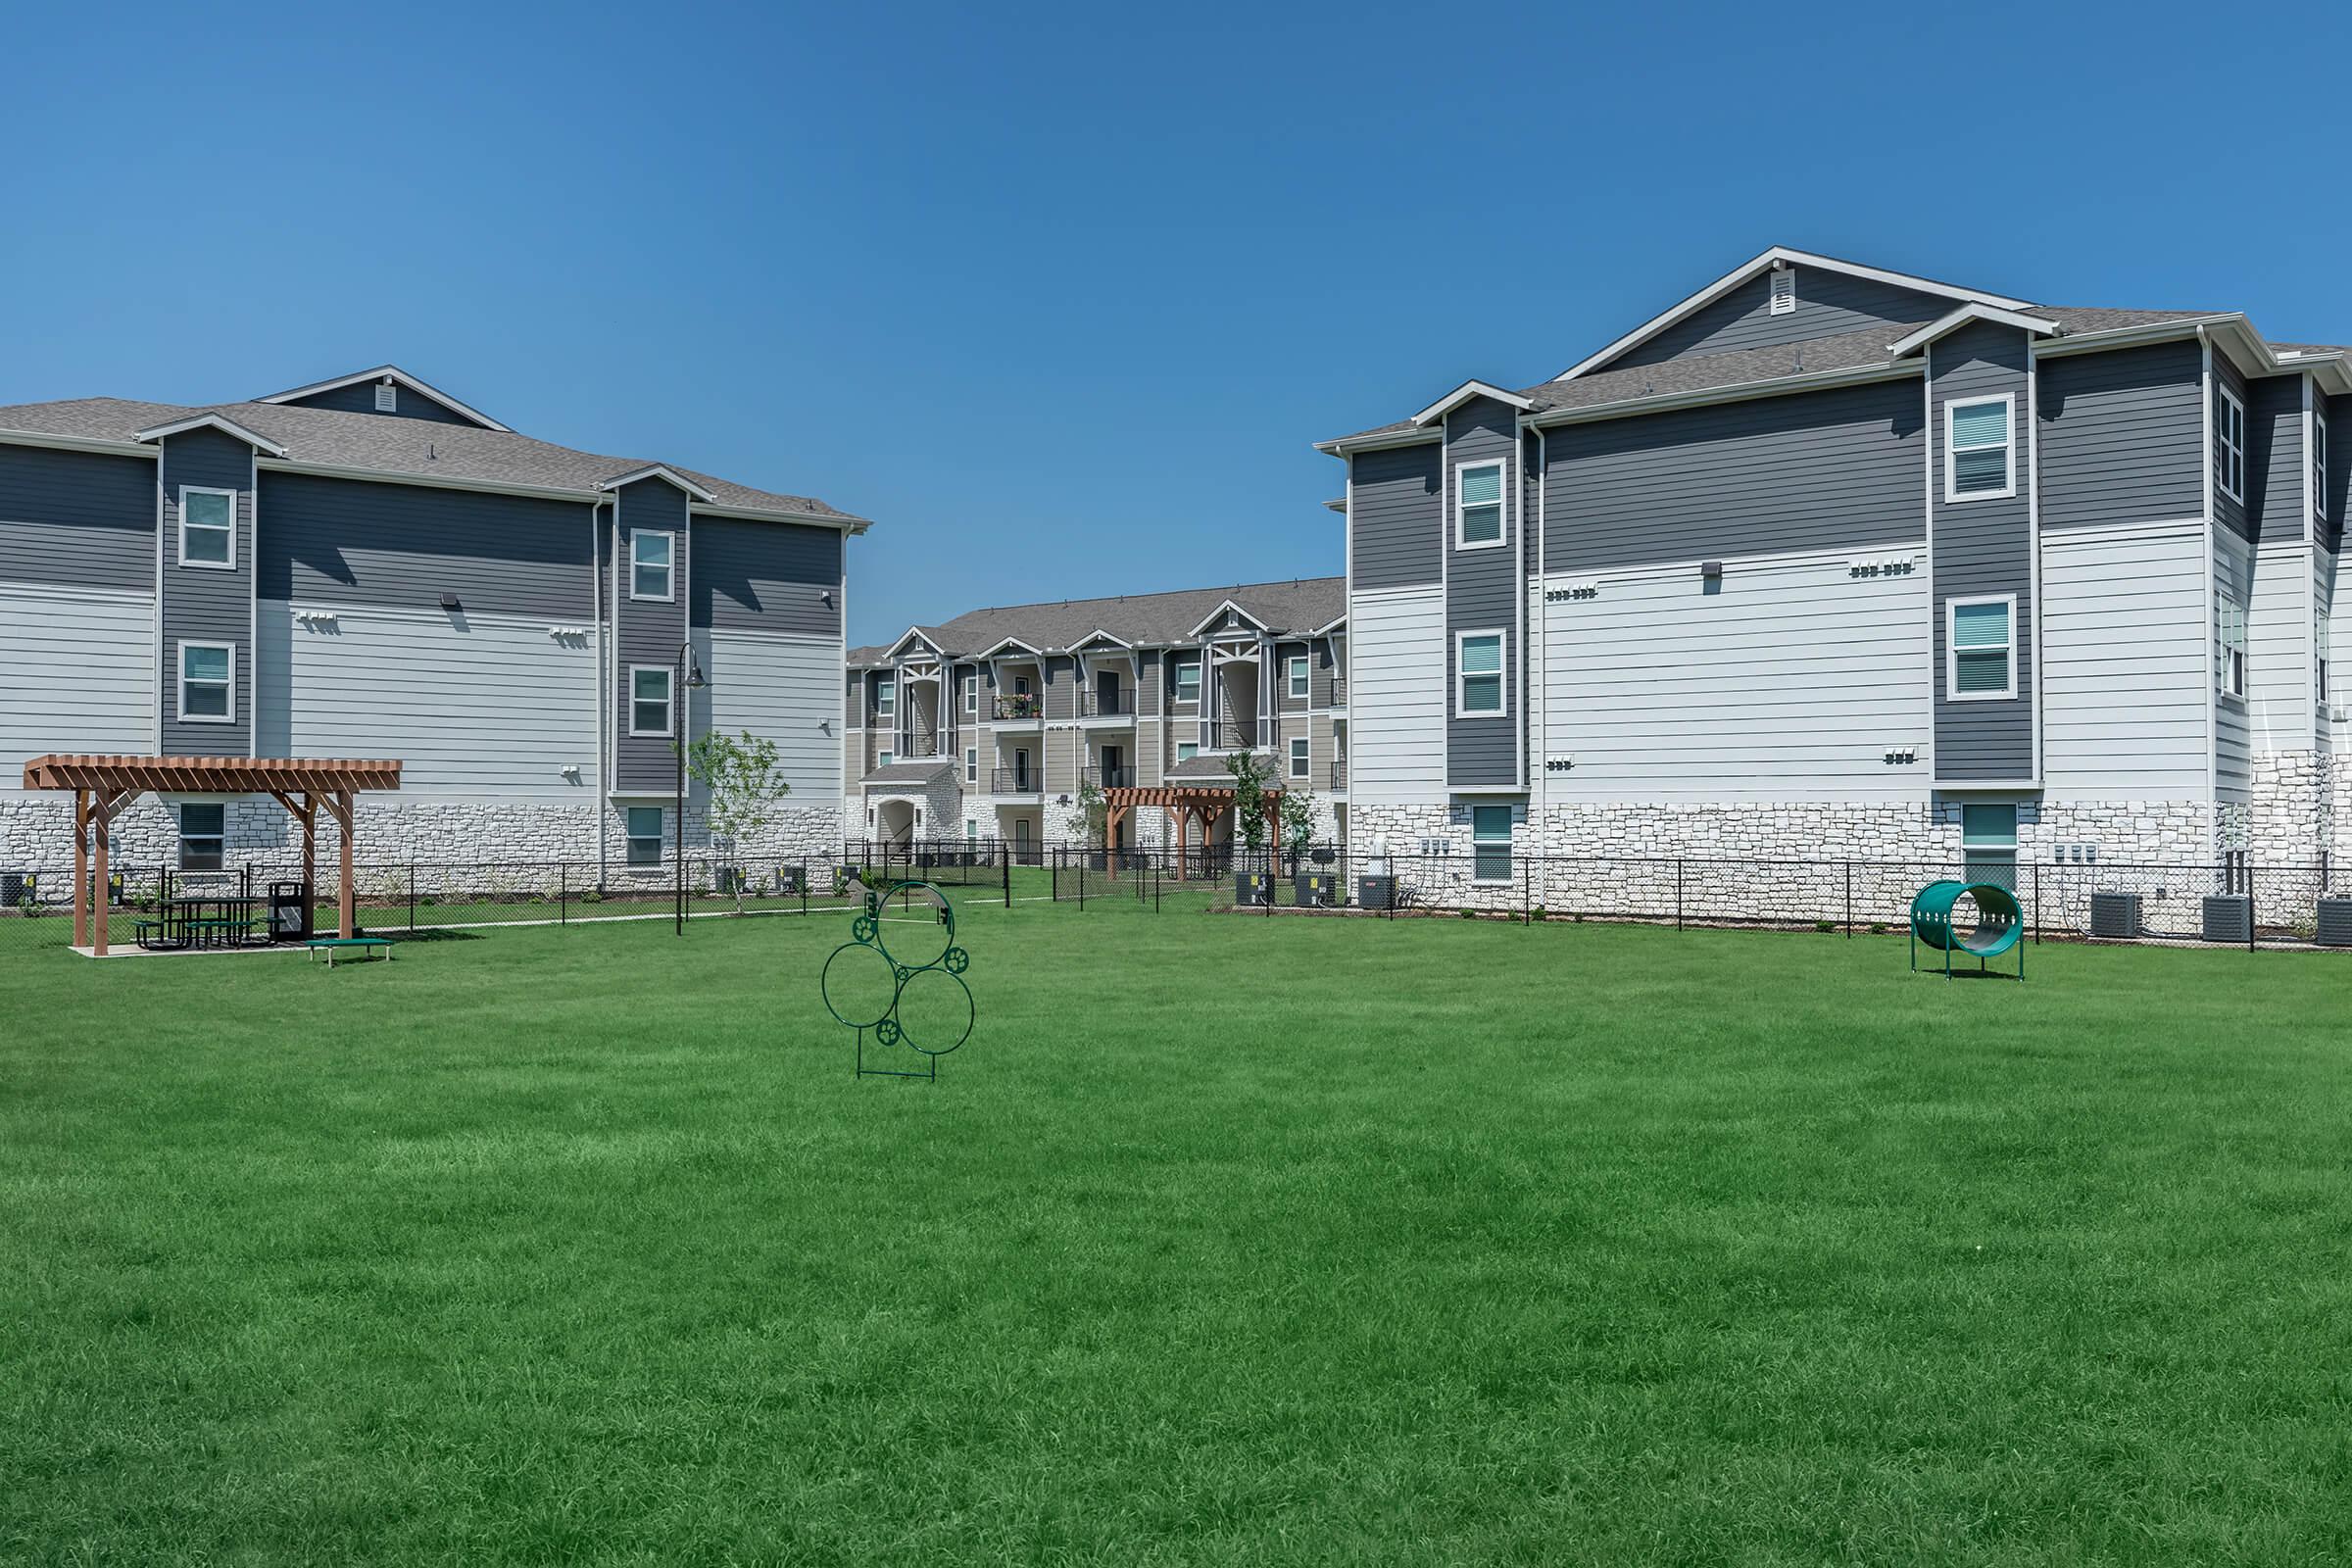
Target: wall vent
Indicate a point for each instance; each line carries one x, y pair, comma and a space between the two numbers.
1784, 290
387, 398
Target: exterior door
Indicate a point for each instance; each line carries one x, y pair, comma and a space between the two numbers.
1021, 768
1114, 766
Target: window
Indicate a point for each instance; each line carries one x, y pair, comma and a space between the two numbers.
1477, 506
971, 695
885, 757
971, 828
208, 528
649, 699
1301, 683
1188, 682
208, 683
203, 827
1477, 675
1186, 750
644, 825
2319, 462
1490, 843
1980, 637
2229, 644
1989, 843
2230, 430
387, 398
1977, 449
886, 697
650, 556
971, 764
1300, 766
2321, 640
1784, 290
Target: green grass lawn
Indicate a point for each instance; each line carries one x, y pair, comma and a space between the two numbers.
1224, 1240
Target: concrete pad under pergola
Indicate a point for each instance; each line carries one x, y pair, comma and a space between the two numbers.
103, 785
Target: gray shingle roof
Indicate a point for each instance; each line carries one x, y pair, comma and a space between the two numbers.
1300, 606
922, 772
1710, 372
1214, 769
380, 444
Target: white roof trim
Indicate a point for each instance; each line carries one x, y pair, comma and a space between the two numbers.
1330, 626
844, 523
1099, 634
1223, 605
2231, 329
657, 470
217, 421
1410, 436
74, 443
1009, 642
918, 635
1736, 392
1960, 318
1779, 254
1465, 393
396, 373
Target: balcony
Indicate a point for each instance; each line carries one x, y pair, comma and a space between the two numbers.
1339, 775
1111, 778
911, 747
1019, 708
1236, 735
1339, 690
1107, 705
1016, 781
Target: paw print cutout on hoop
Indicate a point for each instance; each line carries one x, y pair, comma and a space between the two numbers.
907, 983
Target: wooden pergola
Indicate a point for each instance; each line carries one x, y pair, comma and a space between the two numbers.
1185, 799
103, 785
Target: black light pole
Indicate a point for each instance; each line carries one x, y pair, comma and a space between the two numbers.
690, 679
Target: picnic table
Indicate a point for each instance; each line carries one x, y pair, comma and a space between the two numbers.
200, 920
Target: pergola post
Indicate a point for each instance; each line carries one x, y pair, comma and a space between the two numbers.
81, 868
338, 804
81, 892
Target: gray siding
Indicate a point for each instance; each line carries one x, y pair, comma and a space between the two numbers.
2339, 477
80, 519
1827, 303
647, 632
1395, 524
767, 576
2274, 459
2230, 512
1979, 549
1483, 589
2118, 437
352, 542
1821, 470
360, 398
206, 605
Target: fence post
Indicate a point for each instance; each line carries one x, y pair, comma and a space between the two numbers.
563, 894
1849, 901
1082, 879
411, 895
1678, 893
2034, 883
1527, 891
2249, 903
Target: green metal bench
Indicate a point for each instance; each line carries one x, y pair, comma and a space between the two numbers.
330, 946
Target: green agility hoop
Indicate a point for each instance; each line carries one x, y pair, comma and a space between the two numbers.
1993, 924
915, 997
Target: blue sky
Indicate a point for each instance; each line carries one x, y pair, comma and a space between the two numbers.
1061, 296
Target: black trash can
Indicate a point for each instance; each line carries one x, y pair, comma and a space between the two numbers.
289, 911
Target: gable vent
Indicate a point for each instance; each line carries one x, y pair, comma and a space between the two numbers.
1784, 290
387, 395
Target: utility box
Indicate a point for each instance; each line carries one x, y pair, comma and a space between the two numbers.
1313, 890
2115, 915
792, 880
2229, 917
2336, 923
1375, 891
1252, 888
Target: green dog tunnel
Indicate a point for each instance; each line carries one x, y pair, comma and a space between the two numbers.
1977, 921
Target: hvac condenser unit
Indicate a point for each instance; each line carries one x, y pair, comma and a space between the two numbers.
2115, 915
2229, 917
2336, 923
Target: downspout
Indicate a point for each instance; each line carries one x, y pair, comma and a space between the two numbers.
604, 684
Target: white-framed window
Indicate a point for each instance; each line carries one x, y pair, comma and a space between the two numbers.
1478, 686
971, 764
644, 828
2322, 640
971, 827
1784, 290
1301, 678
885, 757
971, 694
2319, 462
208, 683
1302, 764
203, 831
1188, 682
1979, 649
1979, 448
1186, 750
1479, 522
651, 553
649, 699
1988, 842
886, 697
208, 528
2229, 435
1490, 843
2229, 644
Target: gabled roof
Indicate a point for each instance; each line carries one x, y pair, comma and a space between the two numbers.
1137, 621
209, 421
657, 470
1224, 607
918, 772
914, 634
1099, 635
1918, 338
386, 372
1777, 256
1465, 393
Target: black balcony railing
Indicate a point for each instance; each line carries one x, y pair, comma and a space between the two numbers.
1110, 778
1339, 691
1339, 775
1236, 734
1016, 781
917, 745
1019, 705
1107, 705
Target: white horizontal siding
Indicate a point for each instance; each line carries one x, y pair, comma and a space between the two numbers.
2233, 732
81, 674
786, 689
2279, 648
2124, 663
472, 705
1397, 697
1792, 683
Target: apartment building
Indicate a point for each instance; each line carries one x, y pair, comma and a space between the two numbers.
990, 727
1832, 560
366, 566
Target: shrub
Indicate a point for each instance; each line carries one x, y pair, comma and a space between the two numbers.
1469, 914
1824, 927
1877, 928
1537, 913
592, 896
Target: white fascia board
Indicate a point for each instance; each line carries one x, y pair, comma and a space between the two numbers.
215, 421
1960, 318
1742, 392
436, 481
1467, 392
392, 373
844, 523
1009, 643
1780, 255
1099, 635
76, 443
1223, 605
657, 470
1330, 626
1346, 444
912, 634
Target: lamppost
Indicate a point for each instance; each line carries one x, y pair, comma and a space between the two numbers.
690, 679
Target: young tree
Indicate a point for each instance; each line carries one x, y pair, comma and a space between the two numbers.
1248, 800
1297, 808
743, 781
1090, 818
